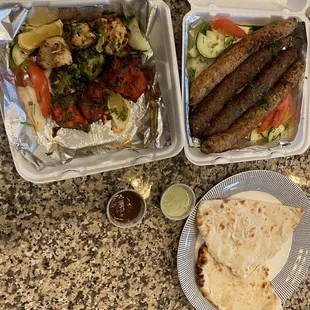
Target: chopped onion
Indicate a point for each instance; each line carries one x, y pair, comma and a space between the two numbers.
28, 97
48, 73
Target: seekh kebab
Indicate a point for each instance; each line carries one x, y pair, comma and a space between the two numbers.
225, 90
254, 116
253, 93
239, 52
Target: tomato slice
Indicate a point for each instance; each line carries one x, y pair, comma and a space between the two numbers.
41, 87
267, 122
281, 111
229, 26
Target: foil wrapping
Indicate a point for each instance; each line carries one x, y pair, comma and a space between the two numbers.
299, 41
148, 124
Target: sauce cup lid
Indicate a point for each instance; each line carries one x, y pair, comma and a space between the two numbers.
133, 222
190, 207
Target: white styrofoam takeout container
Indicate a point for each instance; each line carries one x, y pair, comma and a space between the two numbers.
251, 12
162, 42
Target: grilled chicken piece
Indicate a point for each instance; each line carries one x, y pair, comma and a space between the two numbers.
79, 36
114, 33
66, 114
125, 77
92, 111
95, 93
93, 103
54, 52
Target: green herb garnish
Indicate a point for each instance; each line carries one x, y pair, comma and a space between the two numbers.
26, 123
124, 114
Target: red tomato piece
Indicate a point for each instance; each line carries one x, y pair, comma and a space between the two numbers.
267, 122
40, 85
291, 111
281, 111
229, 26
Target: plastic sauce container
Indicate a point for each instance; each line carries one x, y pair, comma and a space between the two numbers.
177, 202
126, 208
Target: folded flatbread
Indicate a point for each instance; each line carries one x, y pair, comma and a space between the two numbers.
242, 234
228, 292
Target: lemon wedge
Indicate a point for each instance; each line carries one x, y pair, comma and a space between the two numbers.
42, 15
33, 39
120, 112
136, 41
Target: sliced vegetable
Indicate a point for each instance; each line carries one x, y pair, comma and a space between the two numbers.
136, 41
289, 116
196, 65
209, 48
41, 87
276, 117
255, 136
229, 26
27, 96
247, 29
219, 37
193, 52
19, 54
267, 122
275, 133
281, 111
193, 33
265, 133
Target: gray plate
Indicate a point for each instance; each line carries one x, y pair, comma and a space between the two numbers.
275, 184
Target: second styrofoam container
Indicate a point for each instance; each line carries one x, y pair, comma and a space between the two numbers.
162, 42
250, 13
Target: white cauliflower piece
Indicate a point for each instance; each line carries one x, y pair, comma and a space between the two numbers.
114, 33
79, 36
54, 52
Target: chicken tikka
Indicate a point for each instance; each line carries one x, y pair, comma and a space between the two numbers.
83, 64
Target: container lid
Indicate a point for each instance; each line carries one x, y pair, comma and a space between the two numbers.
287, 6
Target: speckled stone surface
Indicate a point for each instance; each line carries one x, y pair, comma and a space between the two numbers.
58, 250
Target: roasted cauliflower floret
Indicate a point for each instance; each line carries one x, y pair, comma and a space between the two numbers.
114, 33
54, 52
79, 36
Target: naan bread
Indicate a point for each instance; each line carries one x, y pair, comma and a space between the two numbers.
228, 292
242, 234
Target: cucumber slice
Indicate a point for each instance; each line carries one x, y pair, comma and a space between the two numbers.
19, 54
136, 41
228, 41
214, 35
193, 33
246, 29
255, 136
193, 52
275, 133
196, 65
192, 38
265, 133
209, 48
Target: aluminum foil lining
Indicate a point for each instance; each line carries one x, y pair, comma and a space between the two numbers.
148, 124
299, 41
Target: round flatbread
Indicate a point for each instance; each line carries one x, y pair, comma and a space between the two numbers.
243, 234
228, 292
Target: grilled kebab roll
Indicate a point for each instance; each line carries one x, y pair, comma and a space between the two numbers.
212, 104
231, 59
254, 116
253, 93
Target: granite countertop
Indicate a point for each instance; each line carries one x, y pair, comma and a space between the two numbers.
58, 250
